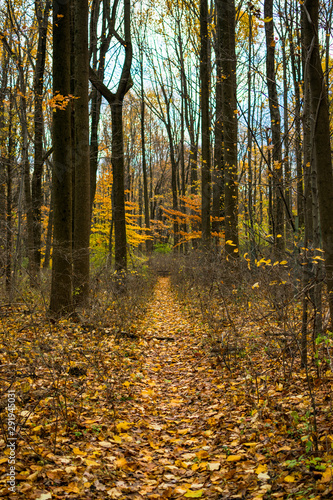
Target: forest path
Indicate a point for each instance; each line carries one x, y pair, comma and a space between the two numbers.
175, 408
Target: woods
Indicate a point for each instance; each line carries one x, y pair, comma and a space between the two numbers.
165, 162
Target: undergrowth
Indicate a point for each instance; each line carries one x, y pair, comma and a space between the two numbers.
72, 369
252, 314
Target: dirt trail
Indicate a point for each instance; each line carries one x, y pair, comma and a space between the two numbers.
172, 447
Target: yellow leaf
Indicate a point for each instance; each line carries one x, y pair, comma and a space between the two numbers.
234, 458
283, 262
127, 383
261, 468
77, 451
121, 462
289, 479
193, 494
117, 439
268, 19
147, 393
256, 285
92, 462
37, 430
123, 426
327, 476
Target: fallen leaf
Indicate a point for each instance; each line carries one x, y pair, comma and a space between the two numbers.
193, 494
261, 468
327, 476
289, 479
123, 426
121, 462
234, 458
214, 465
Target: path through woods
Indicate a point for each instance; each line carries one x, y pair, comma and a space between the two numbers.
179, 404
179, 421
151, 414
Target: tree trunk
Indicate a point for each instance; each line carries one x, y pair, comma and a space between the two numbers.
37, 195
226, 20
321, 137
115, 101
61, 286
9, 238
218, 141
3, 91
48, 243
295, 66
278, 212
149, 242
82, 158
119, 186
205, 122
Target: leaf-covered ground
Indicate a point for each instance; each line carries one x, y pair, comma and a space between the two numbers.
153, 413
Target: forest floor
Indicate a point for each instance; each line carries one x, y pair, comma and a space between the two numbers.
175, 427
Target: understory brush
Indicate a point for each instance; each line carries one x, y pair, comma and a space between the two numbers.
256, 335
68, 374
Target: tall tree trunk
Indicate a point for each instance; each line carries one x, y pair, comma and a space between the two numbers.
249, 140
115, 101
205, 122
295, 66
278, 211
308, 217
3, 91
37, 195
149, 242
82, 159
119, 186
218, 140
61, 286
321, 137
48, 242
10, 157
286, 159
226, 19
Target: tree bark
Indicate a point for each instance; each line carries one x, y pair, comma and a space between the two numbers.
61, 285
119, 186
205, 122
226, 18
37, 195
218, 141
278, 211
321, 137
82, 158
149, 242
115, 101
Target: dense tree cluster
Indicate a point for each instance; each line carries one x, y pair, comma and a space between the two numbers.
189, 124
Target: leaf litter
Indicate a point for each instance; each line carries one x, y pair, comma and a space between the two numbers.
154, 416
